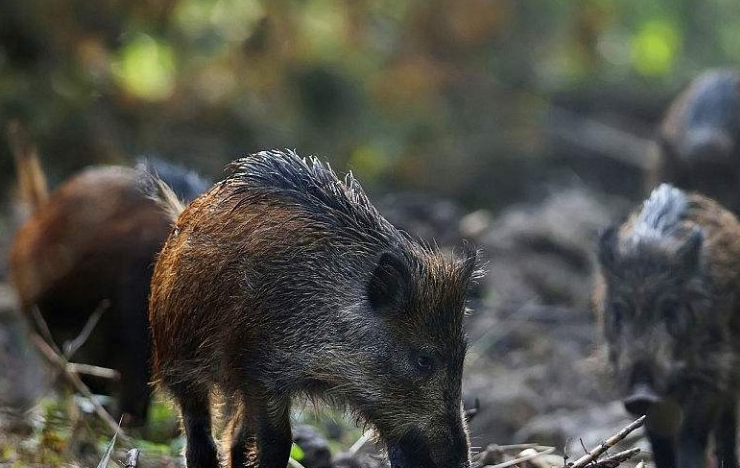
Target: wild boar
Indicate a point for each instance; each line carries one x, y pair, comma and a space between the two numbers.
699, 140
94, 239
283, 281
667, 295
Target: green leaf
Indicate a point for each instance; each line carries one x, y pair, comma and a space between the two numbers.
296, 453
146, 68
655, 46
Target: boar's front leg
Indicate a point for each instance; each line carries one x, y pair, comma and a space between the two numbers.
258, 434
725, 434
274, 437
240, 439
664, 449
698, 422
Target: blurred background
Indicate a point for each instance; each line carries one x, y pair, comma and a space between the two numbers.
522, 125
459, 98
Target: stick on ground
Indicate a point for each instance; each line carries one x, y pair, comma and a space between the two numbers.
522, 459
75, 381
595, 453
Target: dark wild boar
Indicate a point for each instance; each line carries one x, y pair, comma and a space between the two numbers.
667, 298
95, 239
283, 281
699, 139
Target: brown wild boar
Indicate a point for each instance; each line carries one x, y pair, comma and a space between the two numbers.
95, 239
667, 297
283, 281
699, 139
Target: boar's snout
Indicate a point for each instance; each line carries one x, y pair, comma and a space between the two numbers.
415, 450
641, 399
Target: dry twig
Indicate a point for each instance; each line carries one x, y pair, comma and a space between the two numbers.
366, 437
522, 459
470, 413
58, 360
615, 460
595, 453
95, 371
71, 347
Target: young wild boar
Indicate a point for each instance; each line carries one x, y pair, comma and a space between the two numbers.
699, 139
95, 239
667, 296
282, 281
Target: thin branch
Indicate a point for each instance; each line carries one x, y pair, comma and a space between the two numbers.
95, 371
71, 347
518, 447
595, 453
44, 329
615, 460
470, 413
522, 459
59, 360
597, 137
364, 439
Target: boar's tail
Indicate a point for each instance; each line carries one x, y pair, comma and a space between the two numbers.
167, 200
31, 178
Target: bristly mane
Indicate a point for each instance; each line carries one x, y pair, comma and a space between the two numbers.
315, 187
662, 213
185, 183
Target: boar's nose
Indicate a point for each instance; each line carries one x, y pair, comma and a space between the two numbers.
641, 399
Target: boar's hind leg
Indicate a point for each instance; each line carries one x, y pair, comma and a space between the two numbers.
726, 435
200, 450
135, 349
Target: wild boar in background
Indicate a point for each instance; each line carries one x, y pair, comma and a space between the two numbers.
667, 298
699, 140
283, 281
95, 239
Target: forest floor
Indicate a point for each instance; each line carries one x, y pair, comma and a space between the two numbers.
535, 369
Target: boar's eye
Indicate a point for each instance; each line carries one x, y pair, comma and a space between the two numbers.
669, 308
618, 312
671, 314
424, 363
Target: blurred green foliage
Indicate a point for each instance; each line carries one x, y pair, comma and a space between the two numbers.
442, 95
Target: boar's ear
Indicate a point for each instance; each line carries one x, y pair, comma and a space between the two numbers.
469, 267
689, 254
390, 282
608, 245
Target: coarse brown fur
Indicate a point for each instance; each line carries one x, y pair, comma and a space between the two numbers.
667, 300
698, 143
285, 281
94, 240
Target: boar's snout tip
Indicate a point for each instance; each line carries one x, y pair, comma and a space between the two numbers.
641, 399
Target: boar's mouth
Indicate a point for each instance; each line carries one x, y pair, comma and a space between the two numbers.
413, 450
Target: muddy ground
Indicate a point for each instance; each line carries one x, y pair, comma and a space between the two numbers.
535, 367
